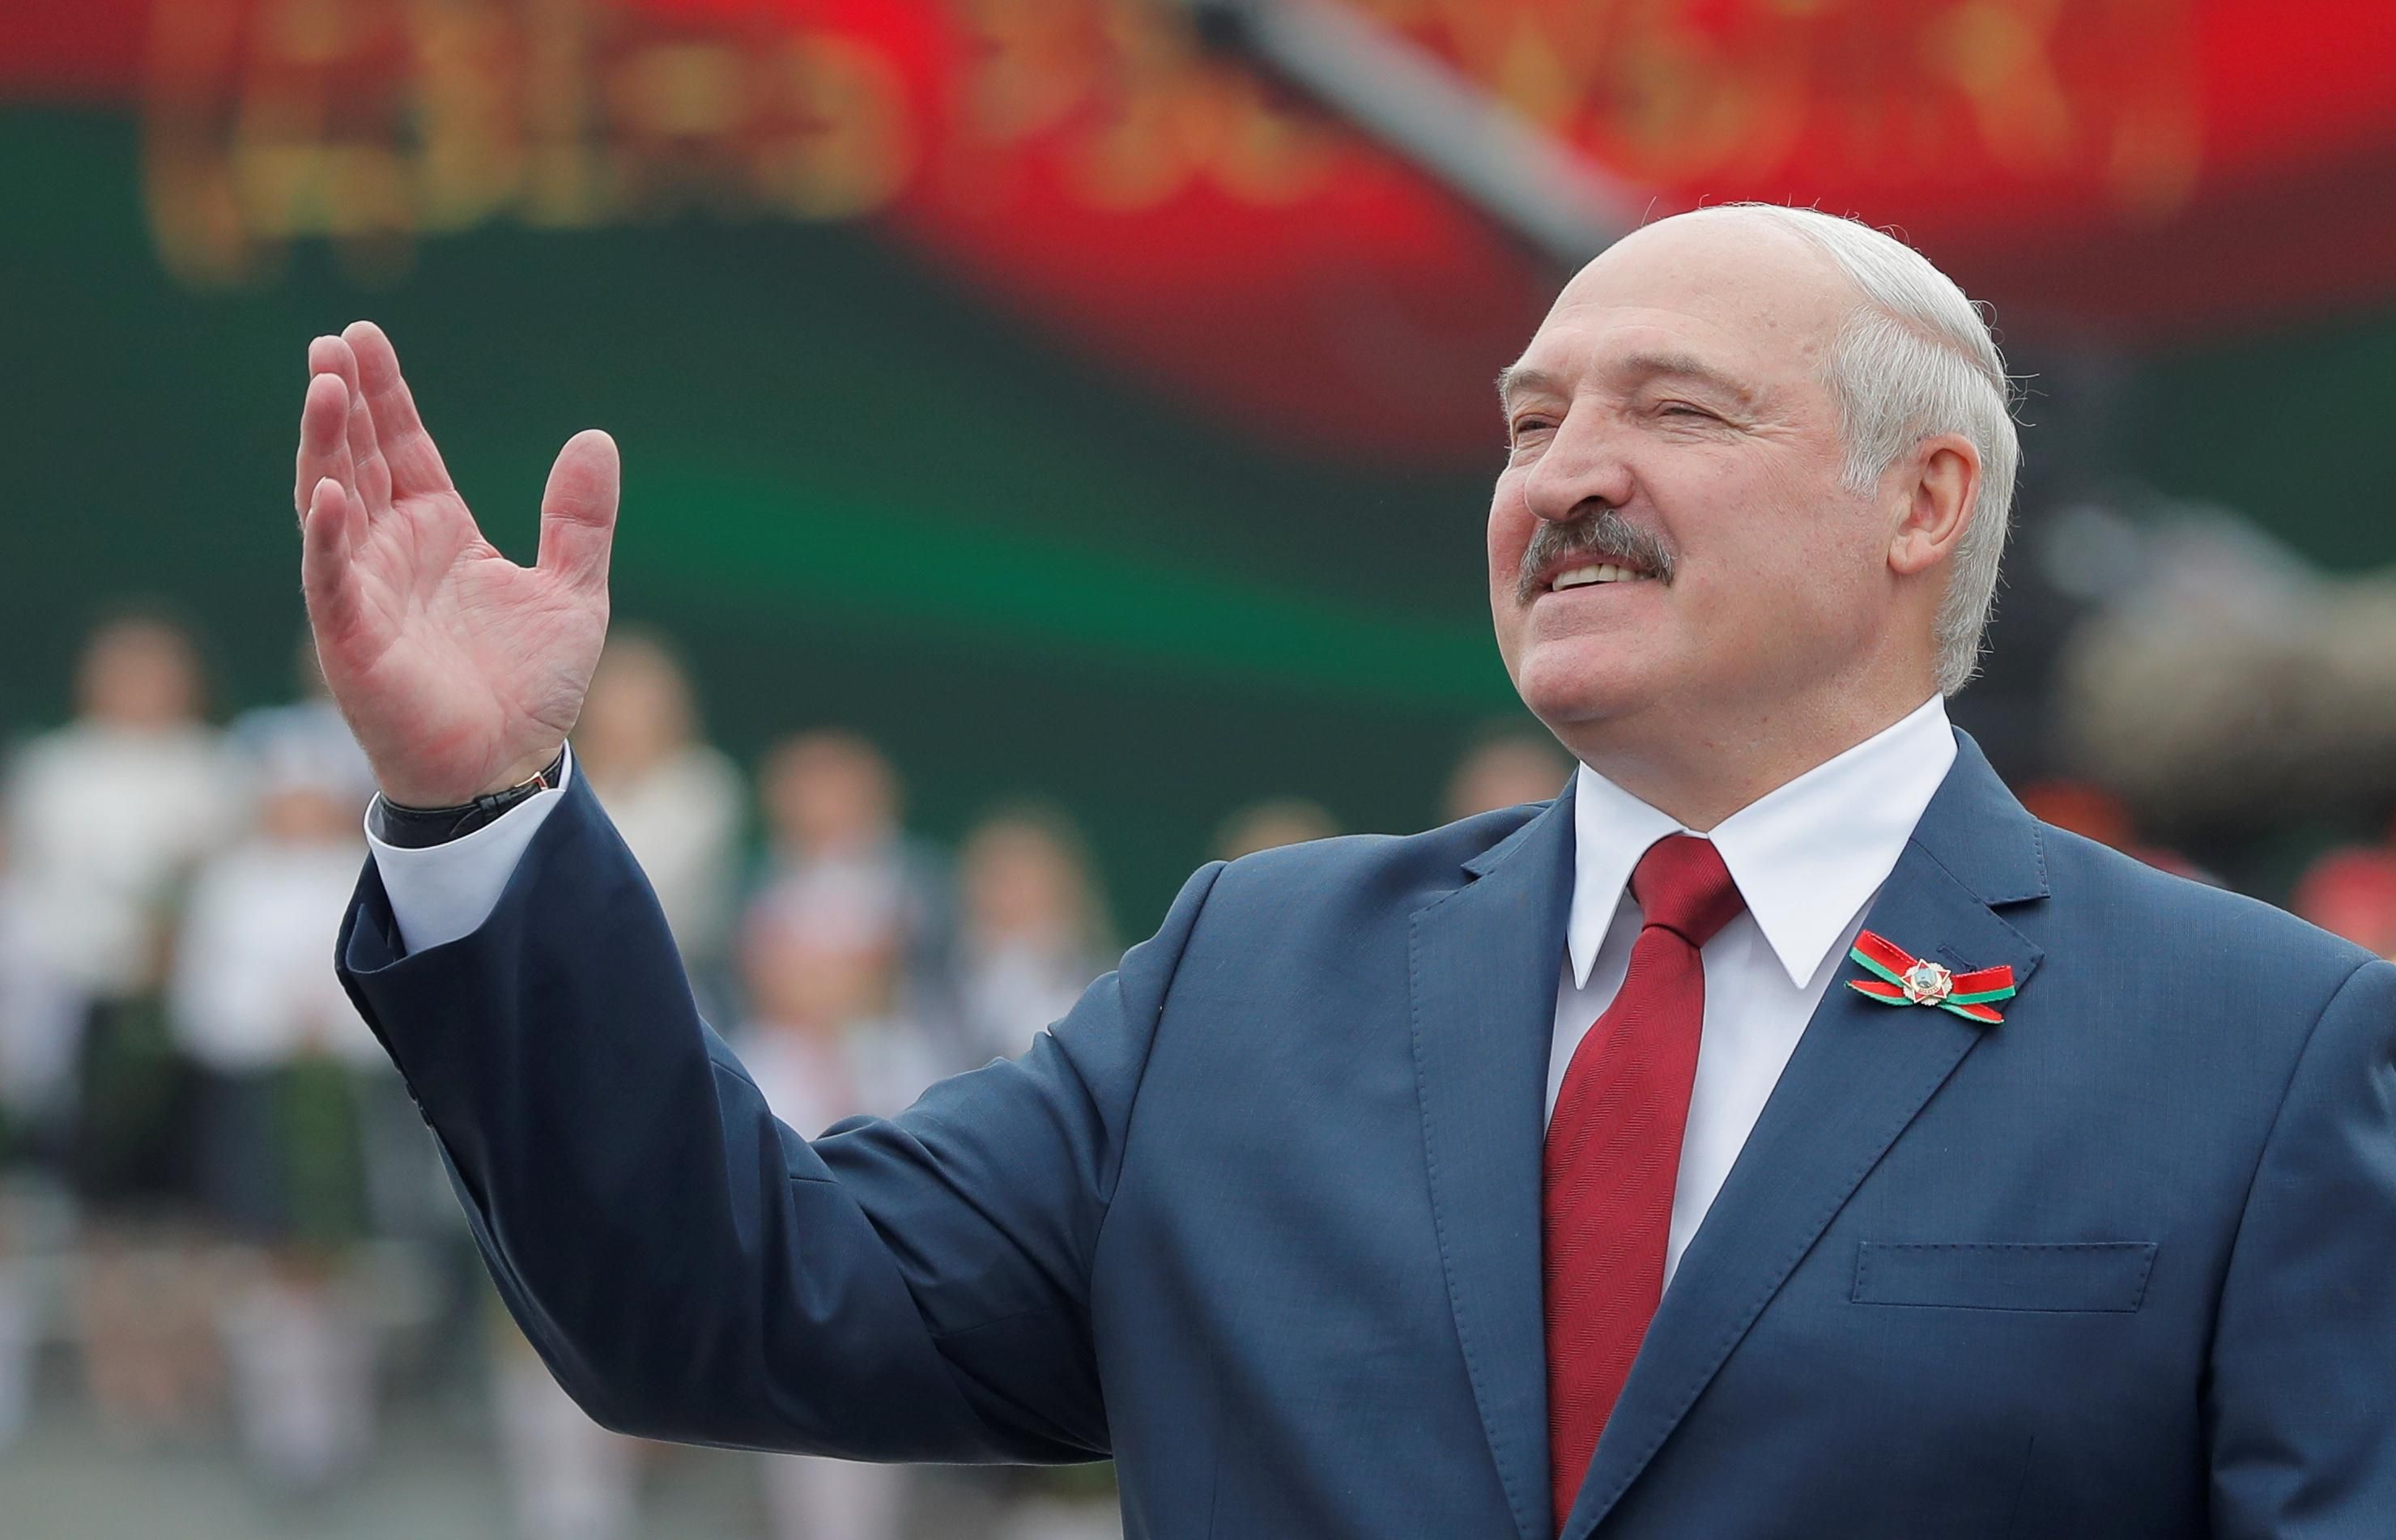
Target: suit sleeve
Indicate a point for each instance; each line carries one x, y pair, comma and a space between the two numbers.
2302, 1400
908, 1289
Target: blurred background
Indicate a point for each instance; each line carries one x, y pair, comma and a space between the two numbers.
1058, 434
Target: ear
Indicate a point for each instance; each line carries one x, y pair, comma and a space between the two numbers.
1943, 482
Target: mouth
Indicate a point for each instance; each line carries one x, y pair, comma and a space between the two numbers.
1599, 551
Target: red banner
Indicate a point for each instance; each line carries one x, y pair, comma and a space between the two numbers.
2131, 167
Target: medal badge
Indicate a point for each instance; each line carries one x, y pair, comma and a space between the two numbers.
1900, 979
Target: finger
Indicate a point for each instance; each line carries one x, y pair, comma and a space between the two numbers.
372, 482
327, 540
577, 511
406, 448
324, 439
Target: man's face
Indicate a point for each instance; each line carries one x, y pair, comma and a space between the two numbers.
1670, 417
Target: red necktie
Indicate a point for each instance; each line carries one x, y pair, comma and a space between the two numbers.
1613, 1150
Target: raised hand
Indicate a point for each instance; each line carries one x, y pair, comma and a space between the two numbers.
460, 672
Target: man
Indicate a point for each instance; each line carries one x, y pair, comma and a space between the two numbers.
1391, 1173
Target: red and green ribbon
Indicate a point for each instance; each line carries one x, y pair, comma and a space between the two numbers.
1899, 978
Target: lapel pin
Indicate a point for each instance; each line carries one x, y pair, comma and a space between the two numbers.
1899, 978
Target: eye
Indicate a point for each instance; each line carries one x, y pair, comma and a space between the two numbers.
1523, 428
1683, 409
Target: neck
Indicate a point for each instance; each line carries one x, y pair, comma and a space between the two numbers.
1702, 767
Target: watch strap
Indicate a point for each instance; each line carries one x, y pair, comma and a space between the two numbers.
418, 828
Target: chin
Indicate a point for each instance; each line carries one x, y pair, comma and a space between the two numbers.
1567, 684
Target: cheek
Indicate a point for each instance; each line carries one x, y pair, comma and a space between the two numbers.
1510, 528
1788, 557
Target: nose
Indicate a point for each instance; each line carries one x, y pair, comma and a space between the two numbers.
1584, 462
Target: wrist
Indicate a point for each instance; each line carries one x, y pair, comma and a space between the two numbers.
430, 798
544, 769
410, 825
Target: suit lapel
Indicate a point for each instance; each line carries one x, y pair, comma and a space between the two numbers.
1484, 961
1860, 1073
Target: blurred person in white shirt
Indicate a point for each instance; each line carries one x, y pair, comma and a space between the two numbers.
677, 802
109, 812
287, 1068
832, 809
312, 718
819, 969
37, 1013
37, 1019
1031, 928
108, 816
826, 1035
1032, 933
568, 1477
823, 1041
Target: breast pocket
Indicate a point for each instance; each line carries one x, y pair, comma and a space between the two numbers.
2062, 1277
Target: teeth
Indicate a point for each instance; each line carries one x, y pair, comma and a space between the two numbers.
1603, 572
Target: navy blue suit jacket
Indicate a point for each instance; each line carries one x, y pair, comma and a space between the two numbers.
1261, 1217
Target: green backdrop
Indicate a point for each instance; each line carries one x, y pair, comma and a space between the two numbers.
854, 494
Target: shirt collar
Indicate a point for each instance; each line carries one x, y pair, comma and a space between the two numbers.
1806, 856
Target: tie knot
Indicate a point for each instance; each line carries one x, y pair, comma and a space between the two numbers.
1682, 884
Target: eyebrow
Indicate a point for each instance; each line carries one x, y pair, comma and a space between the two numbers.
1638, 367
1514, 379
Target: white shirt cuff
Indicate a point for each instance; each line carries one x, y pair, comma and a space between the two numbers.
439, 893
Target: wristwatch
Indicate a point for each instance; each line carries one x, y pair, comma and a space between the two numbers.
416, 827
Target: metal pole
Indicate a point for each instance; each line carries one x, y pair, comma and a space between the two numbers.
1529, 182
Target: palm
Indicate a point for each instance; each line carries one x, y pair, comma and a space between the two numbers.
459, 670
473, 662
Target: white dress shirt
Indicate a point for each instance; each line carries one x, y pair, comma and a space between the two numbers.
1808, 858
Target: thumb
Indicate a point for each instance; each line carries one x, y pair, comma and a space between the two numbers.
577, 511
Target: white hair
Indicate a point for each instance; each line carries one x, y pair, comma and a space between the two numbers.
1916, 358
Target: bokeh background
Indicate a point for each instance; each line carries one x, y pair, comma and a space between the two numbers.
1057, 435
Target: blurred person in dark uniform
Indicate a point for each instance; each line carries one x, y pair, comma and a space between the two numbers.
110, 813
287, 1070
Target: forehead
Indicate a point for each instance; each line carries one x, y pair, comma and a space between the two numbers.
1748, 300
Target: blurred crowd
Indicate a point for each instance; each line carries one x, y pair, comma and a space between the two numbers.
221, 1219
219, 1210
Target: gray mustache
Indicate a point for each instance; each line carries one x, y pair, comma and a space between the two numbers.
1603, 534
